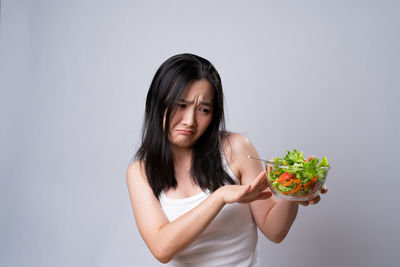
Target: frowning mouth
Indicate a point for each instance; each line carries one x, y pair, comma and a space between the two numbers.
185, 132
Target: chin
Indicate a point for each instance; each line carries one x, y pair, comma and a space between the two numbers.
183, 144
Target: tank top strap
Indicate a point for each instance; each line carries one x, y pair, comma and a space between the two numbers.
227, 168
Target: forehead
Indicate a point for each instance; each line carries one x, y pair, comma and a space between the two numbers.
200, 89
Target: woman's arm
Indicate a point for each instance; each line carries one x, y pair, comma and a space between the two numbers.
273, 218
166, 239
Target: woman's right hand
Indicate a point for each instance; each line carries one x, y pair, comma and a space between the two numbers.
257, 190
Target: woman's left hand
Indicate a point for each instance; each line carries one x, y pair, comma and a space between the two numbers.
315, 200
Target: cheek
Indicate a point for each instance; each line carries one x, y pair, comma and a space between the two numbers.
205, 122
173, 120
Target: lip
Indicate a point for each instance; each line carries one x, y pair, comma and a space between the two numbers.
185, 131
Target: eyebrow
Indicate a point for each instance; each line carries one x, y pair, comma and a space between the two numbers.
205, 103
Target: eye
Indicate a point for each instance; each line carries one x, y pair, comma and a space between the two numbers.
205, 110
181, 105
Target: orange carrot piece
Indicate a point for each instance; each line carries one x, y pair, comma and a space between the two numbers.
284, 177
288, 183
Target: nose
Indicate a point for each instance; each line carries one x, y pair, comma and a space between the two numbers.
189, 117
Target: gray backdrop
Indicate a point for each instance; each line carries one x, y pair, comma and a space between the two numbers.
320, 76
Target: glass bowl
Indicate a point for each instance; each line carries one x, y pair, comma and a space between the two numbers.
292, 183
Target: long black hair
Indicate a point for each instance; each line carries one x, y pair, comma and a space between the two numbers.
166, 89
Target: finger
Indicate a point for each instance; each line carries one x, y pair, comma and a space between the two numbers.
303, 203
260, 177
324, 189
260, 187
314, 200
246, 189
260, 183
269, 168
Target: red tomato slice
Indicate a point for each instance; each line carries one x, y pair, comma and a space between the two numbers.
285, 176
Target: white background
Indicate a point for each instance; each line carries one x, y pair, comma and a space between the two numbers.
320, 76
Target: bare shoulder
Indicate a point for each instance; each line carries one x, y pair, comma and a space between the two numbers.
135, 172
237, 145
237, 148
134, 166
141, 194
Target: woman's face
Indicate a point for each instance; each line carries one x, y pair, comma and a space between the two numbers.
192, 116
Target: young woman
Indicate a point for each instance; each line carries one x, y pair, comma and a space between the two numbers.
196, 197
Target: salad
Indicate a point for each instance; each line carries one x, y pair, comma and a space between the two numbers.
294, 176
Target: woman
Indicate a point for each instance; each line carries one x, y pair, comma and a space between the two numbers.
196, 197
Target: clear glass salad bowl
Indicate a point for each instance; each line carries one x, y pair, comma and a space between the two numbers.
295, 182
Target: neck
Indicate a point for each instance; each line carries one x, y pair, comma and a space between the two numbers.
181, 155
182, 162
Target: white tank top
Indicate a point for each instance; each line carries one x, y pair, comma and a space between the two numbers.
229, 240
